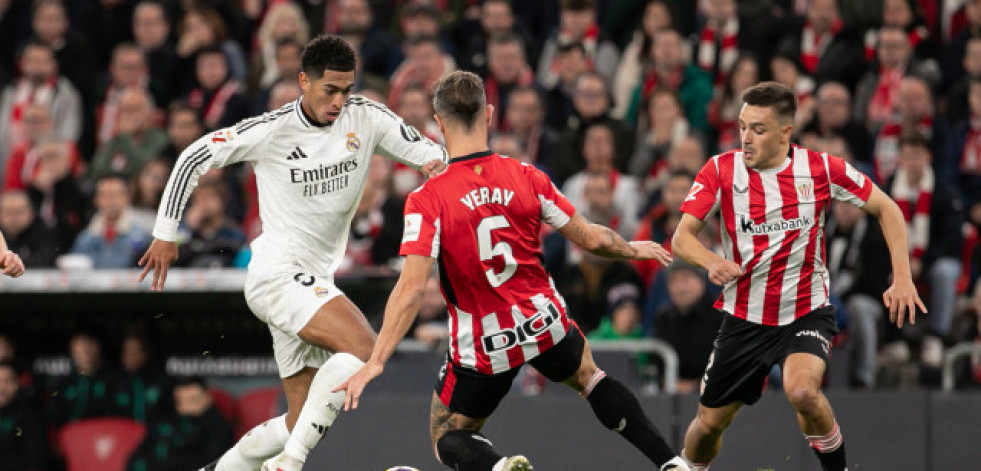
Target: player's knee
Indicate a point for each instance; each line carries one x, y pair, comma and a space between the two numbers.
804, 397
709, 426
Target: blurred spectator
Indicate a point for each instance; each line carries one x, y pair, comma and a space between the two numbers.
659, 223
786, 69
378, 50
473, 36
424, 64
571, 62
508, 70
22, 162
202, 28
672, 70
902, 14
39, 84
183, 128
136, 141
828, 48
961, 159
25, 234
914, 113
688, 322
148, 185
91, 389
591, 100
151, 32
281, 93
956, 99
858, 264
149, 386
210, 238
525, 118
877, 95
720, 38
55, 192
577, 24
638, 55
72, 49
282, 23
724, 110
934, 215
955, 50
218, 96
688, 154
416, 109
128, 70
196, 436
22, 432
832, 116
376, 228
287, 56
507, 144
430, 325
625, 191
15, 28
419, 20
107, 23
116, 236
622, 321
666, 126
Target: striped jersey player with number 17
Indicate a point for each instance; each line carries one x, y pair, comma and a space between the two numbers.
311, 158
481, 219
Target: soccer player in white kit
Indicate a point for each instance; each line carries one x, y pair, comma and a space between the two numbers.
311, 157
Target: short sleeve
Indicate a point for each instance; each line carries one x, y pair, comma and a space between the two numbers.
847, 183
421, 233
703, 197
556, 210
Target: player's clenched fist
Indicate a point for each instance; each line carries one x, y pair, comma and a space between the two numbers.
724, 272
11, 264
646, 249
157, 259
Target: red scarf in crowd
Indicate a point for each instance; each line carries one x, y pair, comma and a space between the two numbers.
589, 40
916, 35
971, 157
882, 104
27, 93
914, 202
886, 149
812, 45
214, 109
719, 47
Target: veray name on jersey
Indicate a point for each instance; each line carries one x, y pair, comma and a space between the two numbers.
484, 195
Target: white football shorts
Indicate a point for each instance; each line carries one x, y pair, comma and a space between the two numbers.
286, 299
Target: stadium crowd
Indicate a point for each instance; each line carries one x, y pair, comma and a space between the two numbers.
619, 102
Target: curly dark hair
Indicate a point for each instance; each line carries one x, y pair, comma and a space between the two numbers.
326, 52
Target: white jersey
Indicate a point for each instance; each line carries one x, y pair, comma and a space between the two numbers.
309, 177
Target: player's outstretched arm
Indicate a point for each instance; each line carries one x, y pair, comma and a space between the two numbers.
400, 312
10, 263
686, 246
605, 242
901, 298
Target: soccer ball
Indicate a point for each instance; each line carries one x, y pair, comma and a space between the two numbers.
402, 468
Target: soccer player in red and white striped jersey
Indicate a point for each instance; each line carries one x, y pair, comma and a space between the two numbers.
772, 197
481, 219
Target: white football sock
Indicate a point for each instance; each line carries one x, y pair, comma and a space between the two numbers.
500, 464
322, 405
261, 443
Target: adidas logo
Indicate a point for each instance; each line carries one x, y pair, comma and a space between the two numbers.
319, 428
297, 154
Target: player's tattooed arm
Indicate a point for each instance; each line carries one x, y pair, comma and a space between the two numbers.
605, 242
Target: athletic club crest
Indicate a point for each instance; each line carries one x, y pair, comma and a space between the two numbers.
353, 143
805, 190
478, 169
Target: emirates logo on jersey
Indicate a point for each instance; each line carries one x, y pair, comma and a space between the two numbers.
748, 226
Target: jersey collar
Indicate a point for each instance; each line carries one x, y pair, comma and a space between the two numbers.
475, 155
306, 120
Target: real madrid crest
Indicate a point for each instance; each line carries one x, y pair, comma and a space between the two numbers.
353, 143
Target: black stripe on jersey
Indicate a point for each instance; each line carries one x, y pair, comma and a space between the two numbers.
174, 203
265, 118
445, 281
180, 175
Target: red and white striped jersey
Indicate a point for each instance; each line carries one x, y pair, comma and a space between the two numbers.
481, 220
773, 226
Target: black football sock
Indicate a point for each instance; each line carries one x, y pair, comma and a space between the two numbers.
618, 410
466, 450
832, 460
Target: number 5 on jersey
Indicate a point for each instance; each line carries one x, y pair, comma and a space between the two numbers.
488, 251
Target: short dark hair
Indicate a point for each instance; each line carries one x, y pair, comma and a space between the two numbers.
326, 52
914, 138
773, 95
460, 97
577, 5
